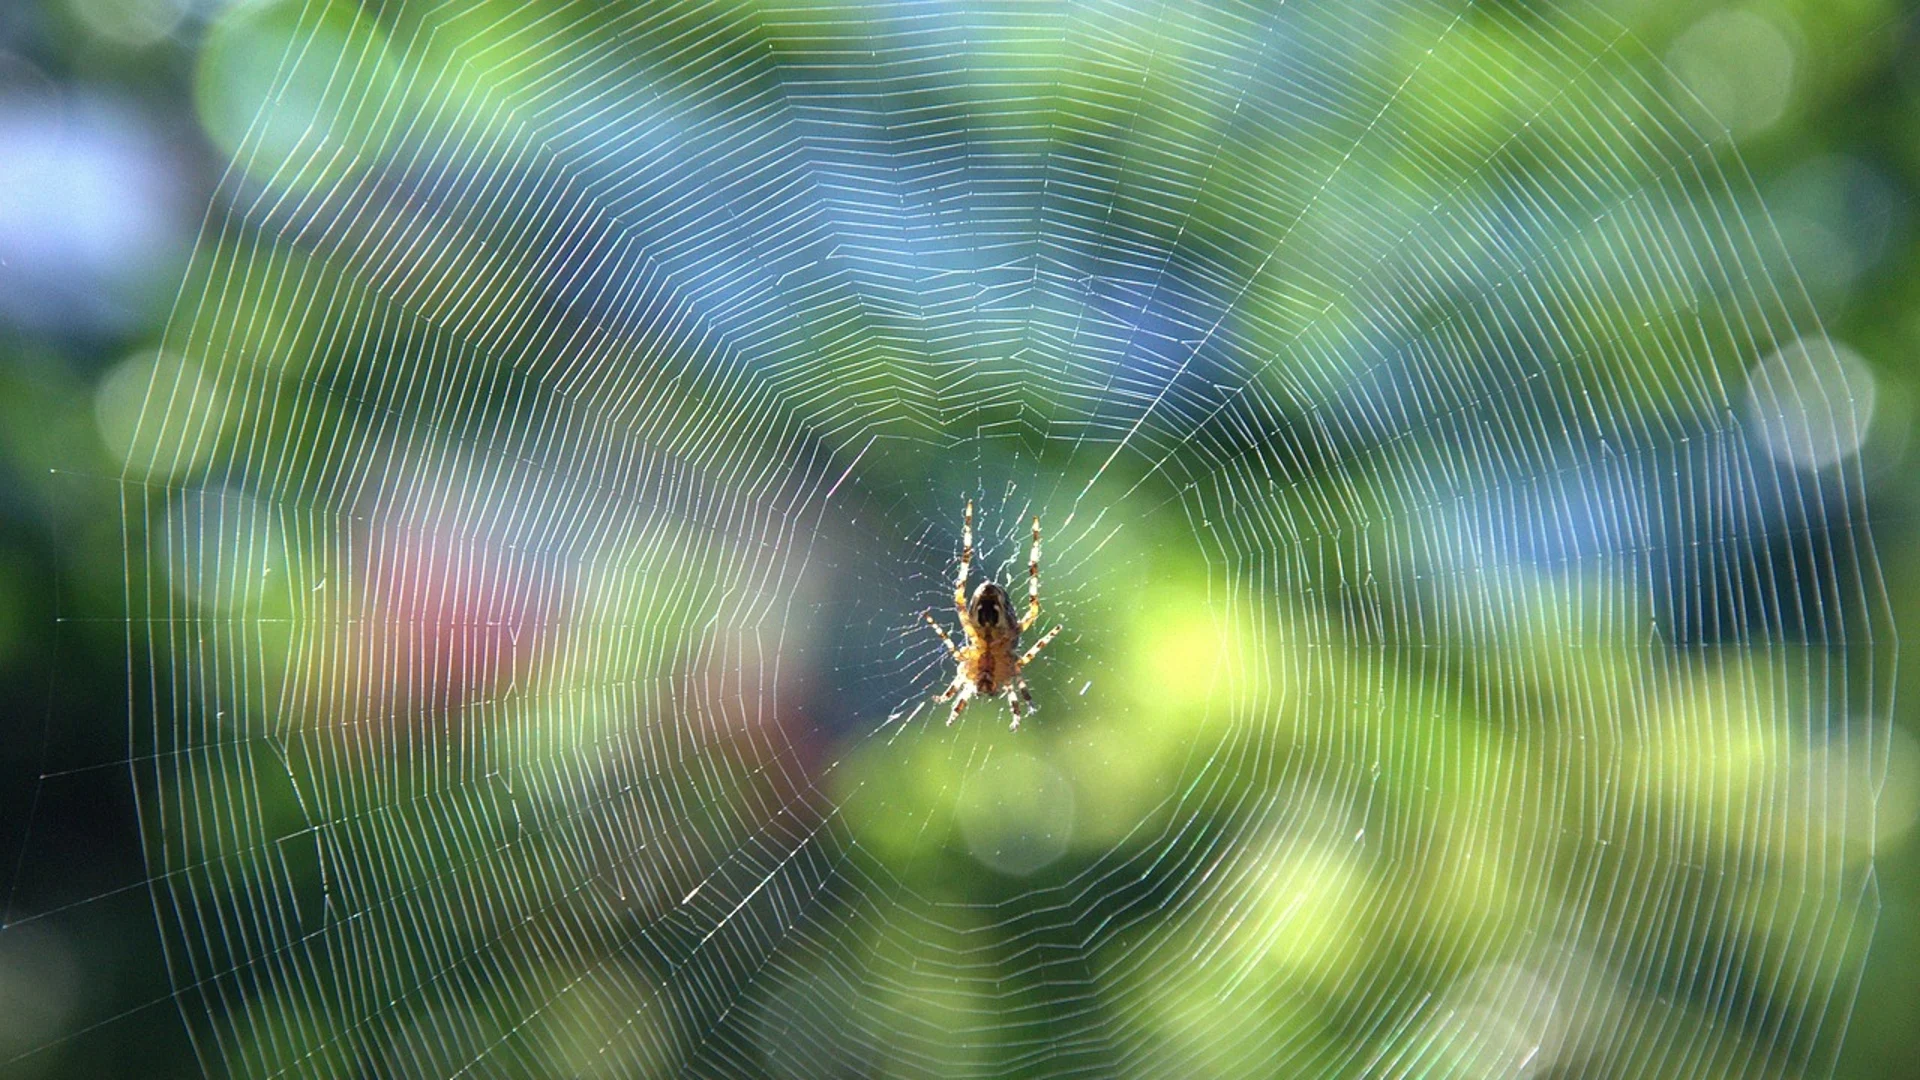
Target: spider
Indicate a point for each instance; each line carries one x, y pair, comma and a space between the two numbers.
988, 664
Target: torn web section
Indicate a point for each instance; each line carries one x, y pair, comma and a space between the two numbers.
582, 424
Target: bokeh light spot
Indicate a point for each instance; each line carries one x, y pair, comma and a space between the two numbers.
1016, 813
39, 987
120, 401
132, 22
292, 124
1811, 402
1740, 65
87, 215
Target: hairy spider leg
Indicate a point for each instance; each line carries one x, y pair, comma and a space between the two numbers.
1038, 645
952, 650
952, 689
960, 704
1033, 580
966, 564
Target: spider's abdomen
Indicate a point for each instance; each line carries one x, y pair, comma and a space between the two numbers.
991, 669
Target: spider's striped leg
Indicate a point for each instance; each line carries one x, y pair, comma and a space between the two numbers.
966, 564
960, 704
952, 689
1038, 645
952, 650
1033, 579
1016, 696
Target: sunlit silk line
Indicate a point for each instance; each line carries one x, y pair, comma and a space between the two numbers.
1110, 271
1259, 269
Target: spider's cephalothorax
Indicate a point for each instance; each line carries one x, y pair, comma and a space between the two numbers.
988, 663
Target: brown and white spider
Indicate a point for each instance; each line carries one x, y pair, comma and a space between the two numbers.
988, 664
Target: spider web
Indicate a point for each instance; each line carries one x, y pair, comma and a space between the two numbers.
1469, 613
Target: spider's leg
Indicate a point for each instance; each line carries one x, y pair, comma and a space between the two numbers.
1026, 696
942, 631
952, 689
1033, 579
960, 705
1038, 645
1013, 706
966, 564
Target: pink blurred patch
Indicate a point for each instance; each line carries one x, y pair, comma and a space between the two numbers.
450, 625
